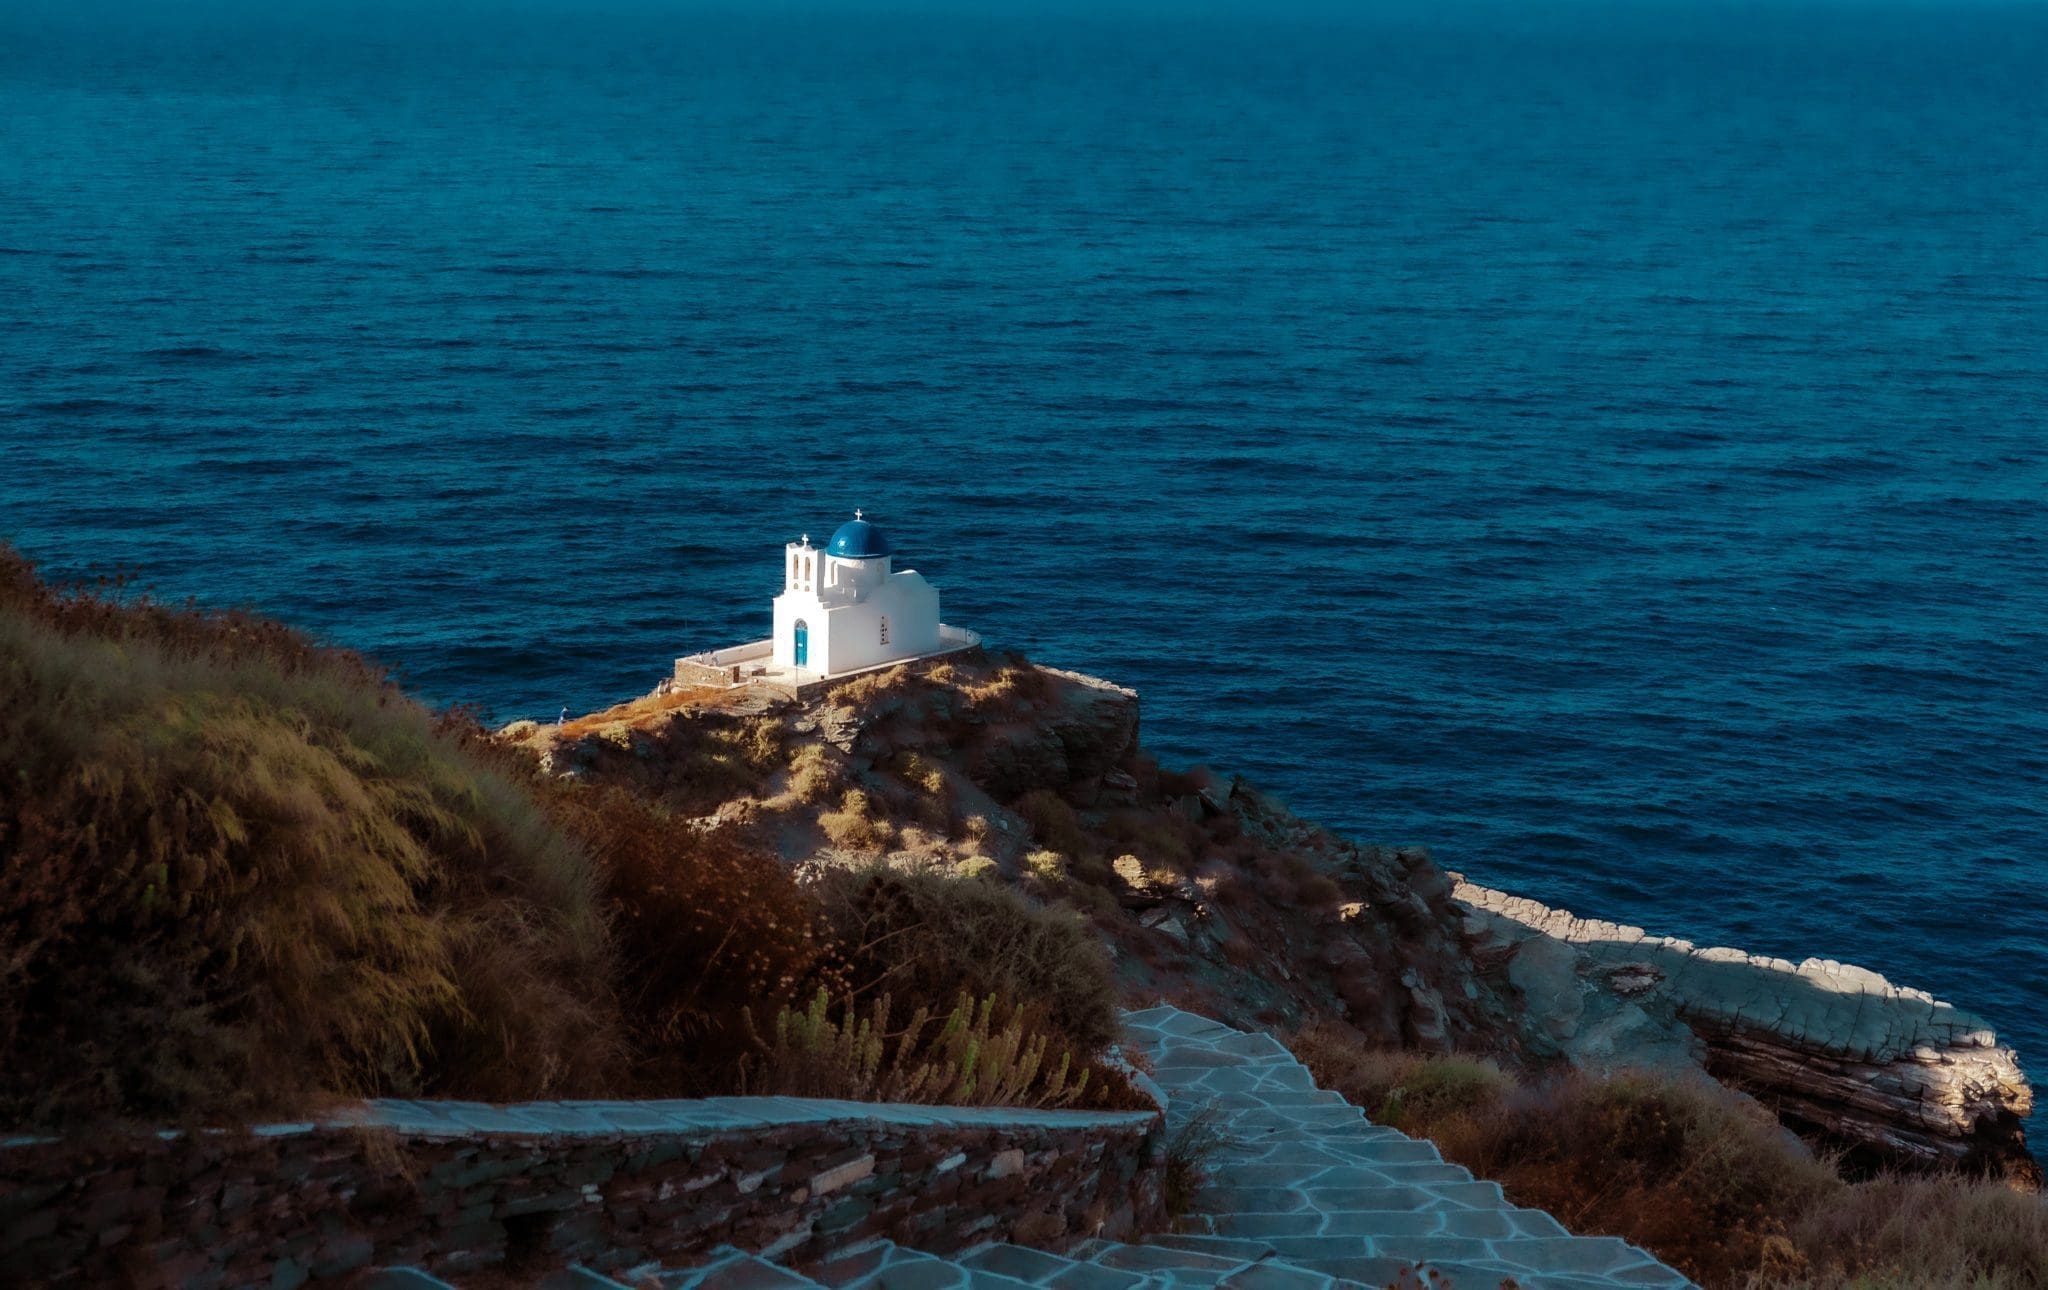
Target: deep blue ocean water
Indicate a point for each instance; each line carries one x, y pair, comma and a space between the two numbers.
1609, 446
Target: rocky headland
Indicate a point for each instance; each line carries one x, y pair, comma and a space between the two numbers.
1215, 897
495, 1004
1894, 1072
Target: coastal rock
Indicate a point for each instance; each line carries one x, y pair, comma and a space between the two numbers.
1083, 733
1890, 1070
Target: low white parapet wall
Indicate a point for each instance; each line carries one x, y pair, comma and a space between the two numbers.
744, 664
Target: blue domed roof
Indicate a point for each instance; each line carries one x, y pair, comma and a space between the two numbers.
858, 540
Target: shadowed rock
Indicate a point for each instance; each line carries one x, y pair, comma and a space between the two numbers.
1884, 1067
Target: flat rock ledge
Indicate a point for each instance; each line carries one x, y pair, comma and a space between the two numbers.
1915, 1080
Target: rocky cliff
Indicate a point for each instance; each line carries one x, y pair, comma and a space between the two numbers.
1213, 895
1893, 1073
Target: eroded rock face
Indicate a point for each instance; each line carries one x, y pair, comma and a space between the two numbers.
1894, 1070
1083, 733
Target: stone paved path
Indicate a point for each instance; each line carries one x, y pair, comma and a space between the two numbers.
1308, 1190
1305, 1195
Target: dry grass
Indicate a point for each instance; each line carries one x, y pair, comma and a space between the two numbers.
1704, 1179
920, 772
650, 709
1049, 867
975, 831
924, 936
1002, 684
1191, 1150
865, 691
855, 826
245, 874
978, 1055
814, 775
706, 927
1917, 1234
243, 871
1397, 1087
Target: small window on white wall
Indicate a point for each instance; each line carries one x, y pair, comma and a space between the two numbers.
807, 568
885, 630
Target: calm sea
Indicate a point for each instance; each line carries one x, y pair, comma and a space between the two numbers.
1609, 446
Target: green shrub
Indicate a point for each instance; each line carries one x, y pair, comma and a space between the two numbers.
855, 826
924, 936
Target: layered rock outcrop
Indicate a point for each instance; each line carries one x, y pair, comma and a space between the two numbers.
1893, 1072
1212, 893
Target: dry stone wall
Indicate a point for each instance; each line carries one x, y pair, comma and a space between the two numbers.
463, 1187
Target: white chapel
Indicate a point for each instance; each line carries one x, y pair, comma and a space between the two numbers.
844, 607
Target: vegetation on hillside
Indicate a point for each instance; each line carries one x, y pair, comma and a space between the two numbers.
1704, 1179
241, 873
242, 870
975, 1055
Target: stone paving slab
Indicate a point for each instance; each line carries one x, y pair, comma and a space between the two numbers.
888, 1266
1336, 1197
1304, 1193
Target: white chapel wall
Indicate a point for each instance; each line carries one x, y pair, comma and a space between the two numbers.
911, 606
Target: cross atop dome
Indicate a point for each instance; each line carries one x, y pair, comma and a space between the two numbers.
859, 539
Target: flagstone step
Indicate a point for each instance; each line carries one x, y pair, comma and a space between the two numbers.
1303, 1174
1303, 1193
885, 1265
731, 1269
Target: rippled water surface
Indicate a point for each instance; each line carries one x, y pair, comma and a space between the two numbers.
1607, 447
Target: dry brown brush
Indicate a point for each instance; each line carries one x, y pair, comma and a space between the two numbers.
238, 870
924, 935
705, 926
1706, 1180
977, 1056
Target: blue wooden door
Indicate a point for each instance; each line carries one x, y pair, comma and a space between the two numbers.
803, 644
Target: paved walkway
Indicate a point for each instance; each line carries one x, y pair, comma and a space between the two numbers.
1308, 1191
1305, 1195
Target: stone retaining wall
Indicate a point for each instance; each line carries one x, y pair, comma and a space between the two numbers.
456, 1187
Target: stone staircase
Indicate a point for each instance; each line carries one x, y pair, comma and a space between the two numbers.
1304, 1194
